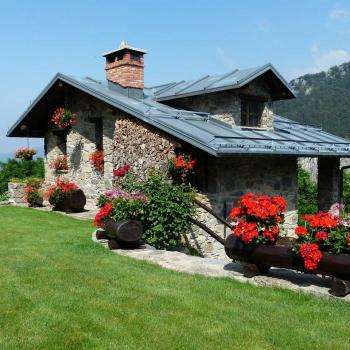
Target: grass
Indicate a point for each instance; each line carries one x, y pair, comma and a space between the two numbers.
59, 290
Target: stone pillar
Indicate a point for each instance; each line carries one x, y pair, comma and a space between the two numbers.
328, 182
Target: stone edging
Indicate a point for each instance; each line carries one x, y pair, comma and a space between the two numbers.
277, 278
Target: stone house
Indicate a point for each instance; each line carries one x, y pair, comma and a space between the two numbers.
225, 121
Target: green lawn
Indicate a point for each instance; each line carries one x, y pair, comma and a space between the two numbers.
59, 290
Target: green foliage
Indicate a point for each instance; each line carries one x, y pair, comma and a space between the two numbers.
346, 190
169, 209
4, 197
307, 193
125, 209
20, 170
323, 99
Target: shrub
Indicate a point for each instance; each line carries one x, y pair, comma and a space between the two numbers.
33, 196
4, 197
20, 170
165, 217
169, 210
307, 193
57, 194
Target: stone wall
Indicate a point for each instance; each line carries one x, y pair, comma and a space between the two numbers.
226, 105
230, 178
81, 142
16, 191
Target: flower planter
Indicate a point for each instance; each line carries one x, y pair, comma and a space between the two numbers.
123, 234
74, 202
260, 258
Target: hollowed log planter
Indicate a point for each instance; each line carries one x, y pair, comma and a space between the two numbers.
124, 234
260, 258
74, 202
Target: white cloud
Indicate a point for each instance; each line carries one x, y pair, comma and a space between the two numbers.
322, 61
337, 14
227, 61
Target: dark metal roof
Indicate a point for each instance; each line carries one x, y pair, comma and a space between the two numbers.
200, 130
228, 81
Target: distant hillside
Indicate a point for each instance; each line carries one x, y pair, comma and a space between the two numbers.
323, 99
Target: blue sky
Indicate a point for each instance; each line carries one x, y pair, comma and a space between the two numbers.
185, 39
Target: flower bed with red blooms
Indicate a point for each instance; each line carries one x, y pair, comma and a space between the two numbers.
60, 164
322, 232
258, 218
25, 153
121, 172
59, 192
63, 118
181, 167
97, 160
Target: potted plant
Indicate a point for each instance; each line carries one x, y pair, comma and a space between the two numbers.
181, 167
65, 195
63, 118
25, 153
33, 194
60, 164
97, 159
322, 245
120, 216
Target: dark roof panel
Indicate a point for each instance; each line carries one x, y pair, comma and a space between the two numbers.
200, 130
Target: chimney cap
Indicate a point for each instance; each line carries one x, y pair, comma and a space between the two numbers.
124, 46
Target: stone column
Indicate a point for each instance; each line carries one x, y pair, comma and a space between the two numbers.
328, 182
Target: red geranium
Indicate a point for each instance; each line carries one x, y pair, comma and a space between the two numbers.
311, 254
57, 193
103, 214
181, 167
60, 164
301, 231
321, 236
63, 118
258, 218
97, 159
121, 172
25, 153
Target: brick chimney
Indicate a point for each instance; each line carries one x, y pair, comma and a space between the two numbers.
125, 66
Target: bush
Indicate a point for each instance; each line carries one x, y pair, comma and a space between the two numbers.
307, 193
346, 190
20, 170
58, 193
169, 210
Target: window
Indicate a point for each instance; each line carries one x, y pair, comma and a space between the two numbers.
62, 143
99, 133
251, 111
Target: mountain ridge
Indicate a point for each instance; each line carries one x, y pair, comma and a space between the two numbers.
323, 99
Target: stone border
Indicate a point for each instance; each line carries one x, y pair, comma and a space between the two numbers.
209, 267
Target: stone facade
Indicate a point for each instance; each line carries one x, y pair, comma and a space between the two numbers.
229, 179
80, 143
226, 105
16, 191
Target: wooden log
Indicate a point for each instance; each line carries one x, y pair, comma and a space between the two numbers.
126, 231
263, 256
74, 202
339, 288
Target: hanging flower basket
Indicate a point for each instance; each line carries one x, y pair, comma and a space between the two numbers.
25, 153
181, 167
63, 118
60, 164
